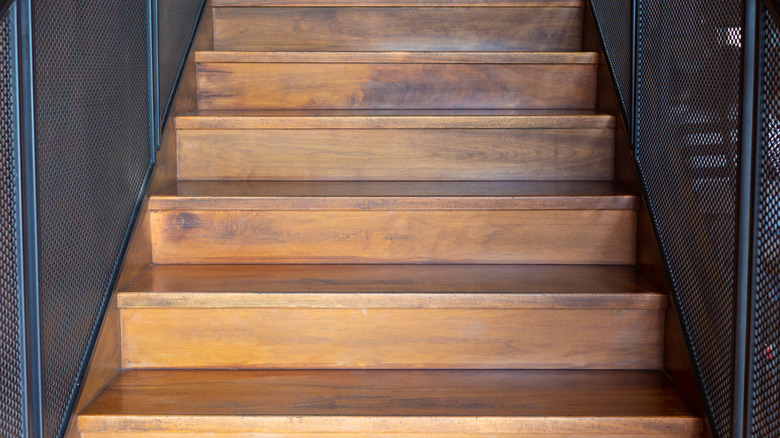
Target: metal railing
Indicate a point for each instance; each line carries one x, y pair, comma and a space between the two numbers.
86, 87
698, 85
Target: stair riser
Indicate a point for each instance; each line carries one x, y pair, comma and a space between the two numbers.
453, 236
323, 85
396, 154
398, 29
393, 338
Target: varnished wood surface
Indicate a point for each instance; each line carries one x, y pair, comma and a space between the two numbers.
396, 154
395, 119
412, 236
391, 81
400, 57
481, 403
382, 338
391, 286
412, 3
391, 195
398, 29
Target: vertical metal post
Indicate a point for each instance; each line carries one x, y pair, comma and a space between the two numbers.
154, 78
747, 196
634, 121
30, 218
19, 218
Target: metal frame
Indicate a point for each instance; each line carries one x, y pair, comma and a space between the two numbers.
749, 166
29, 209
30, 311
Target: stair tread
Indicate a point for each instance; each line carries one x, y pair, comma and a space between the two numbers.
391, 286
399, 57
417, 3
472, 401
384, 195
394, 119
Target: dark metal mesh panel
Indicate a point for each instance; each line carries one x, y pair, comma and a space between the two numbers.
614, 21
176, 20
687, 144
766, 331
92, 145
11, 376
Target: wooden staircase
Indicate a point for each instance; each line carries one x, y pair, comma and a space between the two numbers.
393, 218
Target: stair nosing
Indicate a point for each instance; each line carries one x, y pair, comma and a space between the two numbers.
195, 121
399, 57
170, 198
393, 286
398, 3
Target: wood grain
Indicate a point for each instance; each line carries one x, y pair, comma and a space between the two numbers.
438, 236
391, 195
413, 3
342, 85
480, 403
391, 286
392, 338
396, 154
398, 29
396, 119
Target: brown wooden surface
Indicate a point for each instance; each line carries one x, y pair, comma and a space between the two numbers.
398, 29
396, 154
401, 57
481, 403
391, 286
415, 236
381, 338
339, 82
396, 119
391, 195
413, 3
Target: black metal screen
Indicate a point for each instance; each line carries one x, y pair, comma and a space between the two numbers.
177, 21
11, 364
92, 144
687, 143
615, 24
766, 329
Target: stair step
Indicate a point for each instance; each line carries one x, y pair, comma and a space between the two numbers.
391, 316
330, 403
412, 3
404, 28
393, 222
396, 80
395, 145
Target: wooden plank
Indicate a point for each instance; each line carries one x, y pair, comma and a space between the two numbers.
391, 286
391, 195
379, 338
283, 83
396, 119
398, 29
396, 154
397, 3
400, 57
419, 236
481, 403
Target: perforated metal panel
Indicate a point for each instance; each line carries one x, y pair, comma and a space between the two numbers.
687, 144
11, 371
766, 330
177, 20
92, 145
615, 24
